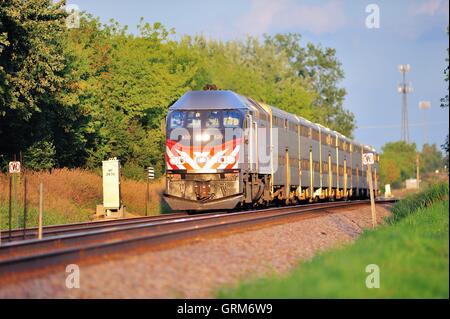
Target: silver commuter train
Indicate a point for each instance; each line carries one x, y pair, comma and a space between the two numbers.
225, 150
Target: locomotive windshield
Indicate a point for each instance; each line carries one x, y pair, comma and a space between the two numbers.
205, 119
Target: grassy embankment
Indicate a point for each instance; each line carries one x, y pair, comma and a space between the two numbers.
71, 196
411, 250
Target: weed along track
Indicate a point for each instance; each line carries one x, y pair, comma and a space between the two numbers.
77, 243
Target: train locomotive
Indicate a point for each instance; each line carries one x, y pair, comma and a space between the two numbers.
225, 150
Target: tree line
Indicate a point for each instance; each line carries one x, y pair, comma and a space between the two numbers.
74, 97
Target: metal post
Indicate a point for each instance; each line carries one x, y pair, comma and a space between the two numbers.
372, 200
14, 188
405, 133
404, 89
0, 227
9, 207
417, 170
147, 197
41, 205
24, 206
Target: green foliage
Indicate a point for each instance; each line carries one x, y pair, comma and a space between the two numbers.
445, 147
444, 100
418, 201
444, 103
397, 163
37, 101
98, 91
430, 159
412, 256
40, 156
50, 217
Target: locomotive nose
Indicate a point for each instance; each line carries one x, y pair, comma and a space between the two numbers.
203, 190
201, 159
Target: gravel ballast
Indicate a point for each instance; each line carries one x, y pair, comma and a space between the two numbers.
197, 268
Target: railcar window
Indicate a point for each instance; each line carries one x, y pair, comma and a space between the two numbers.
176, 119
231, 118
315, 135
213, 119
305, 131
193, 119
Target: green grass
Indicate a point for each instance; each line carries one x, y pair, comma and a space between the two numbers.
412, 253
50, 217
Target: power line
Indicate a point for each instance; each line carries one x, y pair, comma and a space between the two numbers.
397, 125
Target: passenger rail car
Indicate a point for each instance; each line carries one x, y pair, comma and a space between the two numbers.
225, 150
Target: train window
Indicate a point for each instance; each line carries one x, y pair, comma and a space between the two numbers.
231, 118
176, 119
193, 119
315, 135
285, 123
213, 119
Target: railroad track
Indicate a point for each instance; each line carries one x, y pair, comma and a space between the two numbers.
54, 230
81, 243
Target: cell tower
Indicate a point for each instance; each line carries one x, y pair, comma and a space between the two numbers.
404, 89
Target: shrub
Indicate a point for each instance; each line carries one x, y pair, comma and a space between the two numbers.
40, 156
417, 201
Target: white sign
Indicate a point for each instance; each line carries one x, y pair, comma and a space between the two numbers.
14, 167
111, 184
151, 172
367, 159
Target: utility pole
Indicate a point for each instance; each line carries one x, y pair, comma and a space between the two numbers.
368, 160
417, 169
404, 89
425, 105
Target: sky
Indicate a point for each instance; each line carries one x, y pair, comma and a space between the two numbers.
409, 32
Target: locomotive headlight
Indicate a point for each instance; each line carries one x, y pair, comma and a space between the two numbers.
226, 159
201, 159
176, 160
202, 137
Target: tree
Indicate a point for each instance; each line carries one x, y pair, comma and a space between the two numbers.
430, 158
400, 155
444, 100
321, 68
444, 104
40, 156
98, 91
36, 93
389, 171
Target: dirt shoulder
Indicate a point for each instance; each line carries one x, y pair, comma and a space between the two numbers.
195, 269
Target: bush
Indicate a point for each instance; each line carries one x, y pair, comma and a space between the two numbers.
133, 171
418, 201
40, 156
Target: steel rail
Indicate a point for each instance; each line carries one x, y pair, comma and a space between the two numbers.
17, 234
36, 254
